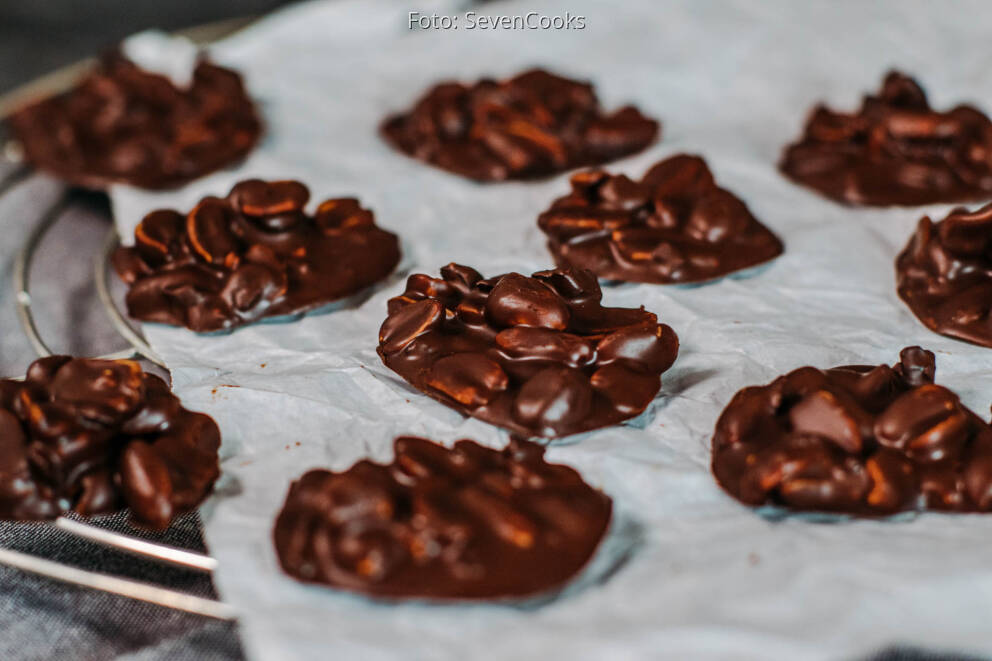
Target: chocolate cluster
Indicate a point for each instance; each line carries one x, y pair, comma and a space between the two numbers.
122, 124
438, 523
94, 436
944, 274
675, 225
539, 356
861, 440
532, 125
256, 253
895, 150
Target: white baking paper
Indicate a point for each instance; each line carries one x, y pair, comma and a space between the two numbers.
159, 52
709, 578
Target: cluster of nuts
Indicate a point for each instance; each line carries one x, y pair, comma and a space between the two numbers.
465, 522
855, 439
93, 436
255, 253
124, 124
537, 355
532, 125
895, 150
674, 225
945, 274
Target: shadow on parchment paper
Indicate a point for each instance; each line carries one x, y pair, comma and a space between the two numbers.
907, 654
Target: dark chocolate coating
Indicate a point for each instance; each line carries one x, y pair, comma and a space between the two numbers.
94, 436
122, 124
862, 440
674, 225
438, 523
254, 254
895, 150
532, 125
539, 356
944, 275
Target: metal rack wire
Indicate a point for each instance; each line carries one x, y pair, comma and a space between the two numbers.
161, 553
149, 550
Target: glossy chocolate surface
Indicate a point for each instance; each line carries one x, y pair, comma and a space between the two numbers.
532, 125
438, 523
539, 356
675, 225
256, 253
945, 274
122, 124
895, 150
862, 440
94, 436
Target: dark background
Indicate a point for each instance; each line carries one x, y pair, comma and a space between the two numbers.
39, 36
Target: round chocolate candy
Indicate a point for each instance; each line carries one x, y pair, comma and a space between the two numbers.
539, 356
895, 150
254, 254
861, 440
532, 125
122, 124
94, 436
944, 274
447, 524
675, 225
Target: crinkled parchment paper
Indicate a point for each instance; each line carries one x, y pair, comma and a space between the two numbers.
709, 578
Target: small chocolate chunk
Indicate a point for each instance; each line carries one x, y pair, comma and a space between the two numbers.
278, 198
443, 524
520, 301
944, 274
532, 125
410, 322
895, 150
674, 225
122, 124
553, 399
862, 440
93, 436
539, 356
251, 255
471, 379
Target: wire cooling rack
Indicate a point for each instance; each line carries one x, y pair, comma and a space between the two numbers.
19, 173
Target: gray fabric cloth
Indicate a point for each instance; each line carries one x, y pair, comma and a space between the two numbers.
42, 619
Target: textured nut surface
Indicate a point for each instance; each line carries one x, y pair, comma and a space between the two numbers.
408, 323
461, 523
654, 346
259, 199
553, 399
674, 225
124, 124
944, 274
895, 150
95, 436
517, 300
531, 125
862, 440
470, 379
253, 254
539, 355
